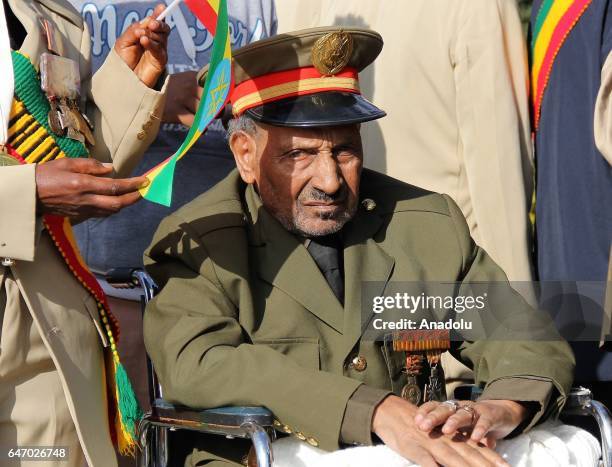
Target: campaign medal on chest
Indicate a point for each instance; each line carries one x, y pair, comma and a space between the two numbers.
421, 347
61, 82
412, 390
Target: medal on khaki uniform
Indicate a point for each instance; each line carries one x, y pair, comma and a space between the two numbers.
420, 346
412, 391
61, 82
435, 389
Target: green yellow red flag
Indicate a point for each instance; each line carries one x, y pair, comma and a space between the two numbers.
555, 20
219, 83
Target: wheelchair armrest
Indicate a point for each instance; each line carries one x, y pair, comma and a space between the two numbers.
122, 278
131, 278
580, 402
228, 421
255, 423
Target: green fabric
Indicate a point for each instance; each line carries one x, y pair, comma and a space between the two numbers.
129, 408
28, 91
540, 18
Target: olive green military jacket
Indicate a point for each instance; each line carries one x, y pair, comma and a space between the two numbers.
245, 317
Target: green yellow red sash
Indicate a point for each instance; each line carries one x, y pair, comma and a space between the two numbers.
32, 141
554, 22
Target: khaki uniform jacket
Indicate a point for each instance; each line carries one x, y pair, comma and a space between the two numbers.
453, 80
245, 317
126, 117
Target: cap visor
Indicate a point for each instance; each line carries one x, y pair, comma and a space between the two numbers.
315, 110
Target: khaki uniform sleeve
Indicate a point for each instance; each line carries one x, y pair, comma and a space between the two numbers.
522, 358
357, 421
198, 347
522, 390
603, 112
126, 114
18, 210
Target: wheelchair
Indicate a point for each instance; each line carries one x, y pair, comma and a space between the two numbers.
257, 423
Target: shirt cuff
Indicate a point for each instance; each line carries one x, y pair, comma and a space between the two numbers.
357, 422
522, 389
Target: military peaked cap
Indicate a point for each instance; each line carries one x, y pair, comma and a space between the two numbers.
307, 78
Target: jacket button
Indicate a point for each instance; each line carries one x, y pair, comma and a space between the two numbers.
141, 135
287, 429
312, 442
147, 125
359, 363
299, 435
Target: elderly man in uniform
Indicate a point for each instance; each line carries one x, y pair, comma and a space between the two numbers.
262, 276
55, 328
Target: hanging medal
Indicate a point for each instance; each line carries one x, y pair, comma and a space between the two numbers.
421, 346
435, 389
61, 82
412, 390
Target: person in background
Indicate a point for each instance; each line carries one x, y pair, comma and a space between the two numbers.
54, 329
454, 73
121, 241
572, 128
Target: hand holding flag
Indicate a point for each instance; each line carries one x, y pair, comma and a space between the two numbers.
213, 15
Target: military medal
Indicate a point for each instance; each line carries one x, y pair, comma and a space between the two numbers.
420, 346
412, 391
83, 125
54, 118
61, 82
435, 390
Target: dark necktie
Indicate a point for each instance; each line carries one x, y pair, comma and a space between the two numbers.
327, 253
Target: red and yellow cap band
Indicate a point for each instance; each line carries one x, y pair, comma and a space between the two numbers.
289, 83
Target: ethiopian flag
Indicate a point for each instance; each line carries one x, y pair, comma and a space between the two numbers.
554, 21
213, 15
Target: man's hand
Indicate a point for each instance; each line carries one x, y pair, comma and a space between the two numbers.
78, 189
184, 95
487, 421
144, 47
393, 422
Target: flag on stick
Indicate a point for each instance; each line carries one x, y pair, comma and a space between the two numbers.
213, 15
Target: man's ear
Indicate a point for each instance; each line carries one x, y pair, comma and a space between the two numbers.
244, 148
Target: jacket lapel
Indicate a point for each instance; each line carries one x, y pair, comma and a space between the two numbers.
30, 16
364, 261
284, 262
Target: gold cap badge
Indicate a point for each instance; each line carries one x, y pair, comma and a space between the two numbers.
332, 52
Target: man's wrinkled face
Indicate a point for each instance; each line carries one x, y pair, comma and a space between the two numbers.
308, 179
